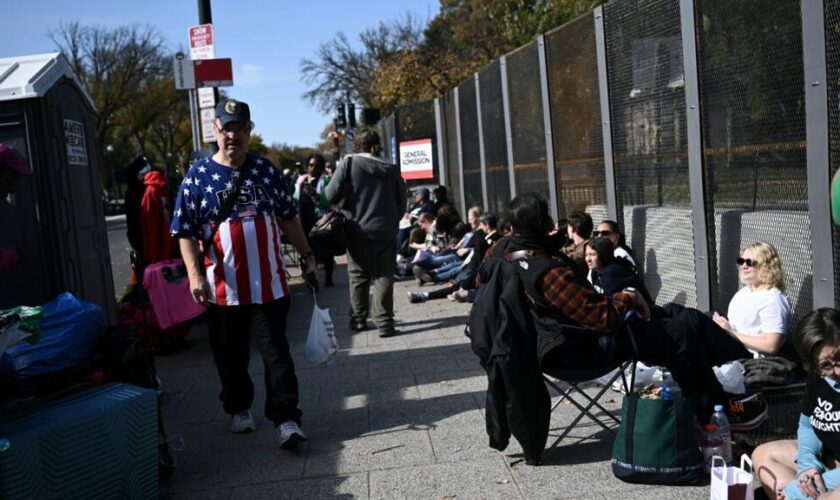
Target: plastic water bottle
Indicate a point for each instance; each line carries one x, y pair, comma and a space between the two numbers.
723, 432
710, 445
670, 389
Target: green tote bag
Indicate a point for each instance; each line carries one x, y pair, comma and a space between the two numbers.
656, 443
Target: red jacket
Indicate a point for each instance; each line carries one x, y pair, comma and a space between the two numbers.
155, 218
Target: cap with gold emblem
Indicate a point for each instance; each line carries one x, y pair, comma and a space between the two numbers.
231, 110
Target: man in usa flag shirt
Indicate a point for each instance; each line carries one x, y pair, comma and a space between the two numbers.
241, 271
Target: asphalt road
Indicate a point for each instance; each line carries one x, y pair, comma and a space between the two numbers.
120, 251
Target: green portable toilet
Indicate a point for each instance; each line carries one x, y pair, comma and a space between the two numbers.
56, 216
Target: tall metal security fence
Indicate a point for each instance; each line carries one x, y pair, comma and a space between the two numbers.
753, 122
496, 172
700, 125
468, 154
575, 104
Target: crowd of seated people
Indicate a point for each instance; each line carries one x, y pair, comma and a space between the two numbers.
483, 237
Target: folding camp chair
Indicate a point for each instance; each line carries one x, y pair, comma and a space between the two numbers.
574, 378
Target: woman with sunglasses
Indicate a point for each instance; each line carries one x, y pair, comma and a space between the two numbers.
609, 229
807, 467
759, 313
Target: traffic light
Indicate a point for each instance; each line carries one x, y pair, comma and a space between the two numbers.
341, 117
351, 112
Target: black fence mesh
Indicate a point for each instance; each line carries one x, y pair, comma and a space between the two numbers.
576, 118
468, 112
753, 112
526, 119
417, 121
453, 177
495, 142
647, 107
832, 55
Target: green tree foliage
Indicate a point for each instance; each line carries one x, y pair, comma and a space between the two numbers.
127, 72
401, 62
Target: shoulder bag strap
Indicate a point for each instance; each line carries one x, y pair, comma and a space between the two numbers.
225, 211
348, 191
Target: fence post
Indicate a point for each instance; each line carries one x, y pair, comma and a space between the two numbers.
695, 155
439, 133
481, 142
549, 143
508, 132
461, 196
606, 127
817, 154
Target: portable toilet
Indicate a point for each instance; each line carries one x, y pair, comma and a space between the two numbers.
55, 218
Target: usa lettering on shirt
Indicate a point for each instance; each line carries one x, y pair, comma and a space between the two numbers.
243, 263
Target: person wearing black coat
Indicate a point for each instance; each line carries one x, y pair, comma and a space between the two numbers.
610, 274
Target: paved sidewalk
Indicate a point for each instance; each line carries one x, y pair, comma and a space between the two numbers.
400, 417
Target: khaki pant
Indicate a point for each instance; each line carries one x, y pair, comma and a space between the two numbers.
372, 262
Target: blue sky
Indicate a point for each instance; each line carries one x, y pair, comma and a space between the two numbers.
265, 39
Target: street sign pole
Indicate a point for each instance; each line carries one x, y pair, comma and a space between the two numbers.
194, 121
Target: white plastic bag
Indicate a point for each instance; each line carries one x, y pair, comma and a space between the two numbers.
644, 375
320, 343
731, 377
731, 483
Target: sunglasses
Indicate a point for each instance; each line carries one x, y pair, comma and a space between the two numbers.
602, 234
748, 262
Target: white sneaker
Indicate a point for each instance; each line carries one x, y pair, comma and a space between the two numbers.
289, 434
242, 422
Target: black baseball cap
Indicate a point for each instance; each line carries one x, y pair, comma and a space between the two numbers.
231, 110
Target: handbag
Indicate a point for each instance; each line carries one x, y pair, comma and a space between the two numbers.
729, 482
656, 442
330, 231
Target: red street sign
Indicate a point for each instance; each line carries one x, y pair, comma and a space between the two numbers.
213, 73
201, 42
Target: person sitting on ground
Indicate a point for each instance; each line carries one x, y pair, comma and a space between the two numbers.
483, 237
448, 231
569, 300
462, 235
421, 204
758, 316
807, 467
420, 239
609, 229
610, 274
578, 229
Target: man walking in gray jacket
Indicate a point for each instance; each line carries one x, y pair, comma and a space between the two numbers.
373, 192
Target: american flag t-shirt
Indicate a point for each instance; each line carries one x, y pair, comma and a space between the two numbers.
244, 264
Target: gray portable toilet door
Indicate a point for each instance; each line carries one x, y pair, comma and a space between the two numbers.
82, 220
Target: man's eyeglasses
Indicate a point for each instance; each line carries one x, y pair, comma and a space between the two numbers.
601, 234
748, 262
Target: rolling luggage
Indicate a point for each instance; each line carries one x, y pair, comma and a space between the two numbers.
93, 442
